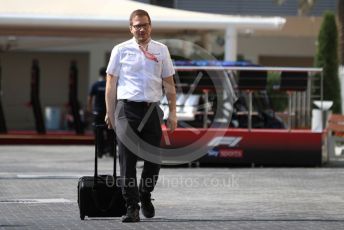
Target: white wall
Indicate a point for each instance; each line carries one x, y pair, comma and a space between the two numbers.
253, 47
96, 48
54, 80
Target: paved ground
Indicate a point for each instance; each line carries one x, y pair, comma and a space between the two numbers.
38, 191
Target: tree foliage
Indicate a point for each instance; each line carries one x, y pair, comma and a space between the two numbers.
340, 12
327, 58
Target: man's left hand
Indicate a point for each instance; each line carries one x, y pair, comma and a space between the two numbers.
172, 121
108, 122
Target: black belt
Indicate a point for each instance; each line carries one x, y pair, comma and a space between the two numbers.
145, 103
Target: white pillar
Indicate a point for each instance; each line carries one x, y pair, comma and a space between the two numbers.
341, 80
231, 44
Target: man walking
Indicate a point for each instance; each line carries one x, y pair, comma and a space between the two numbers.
137, 72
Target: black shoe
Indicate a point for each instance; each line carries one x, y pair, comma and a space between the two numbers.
146, 206
132, 215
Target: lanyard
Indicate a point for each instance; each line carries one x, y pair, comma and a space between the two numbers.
148, 54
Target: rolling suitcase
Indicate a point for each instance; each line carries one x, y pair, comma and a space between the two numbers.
100, 195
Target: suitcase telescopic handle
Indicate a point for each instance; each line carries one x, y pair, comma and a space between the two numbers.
98, 142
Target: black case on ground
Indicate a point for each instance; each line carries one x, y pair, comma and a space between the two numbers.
100, 195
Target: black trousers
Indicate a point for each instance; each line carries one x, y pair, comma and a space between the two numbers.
137, 123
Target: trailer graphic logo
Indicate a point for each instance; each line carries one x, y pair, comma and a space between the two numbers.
225, 147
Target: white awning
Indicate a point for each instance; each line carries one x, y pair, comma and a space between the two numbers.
103, 14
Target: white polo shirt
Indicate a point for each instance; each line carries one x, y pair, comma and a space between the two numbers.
139, 78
